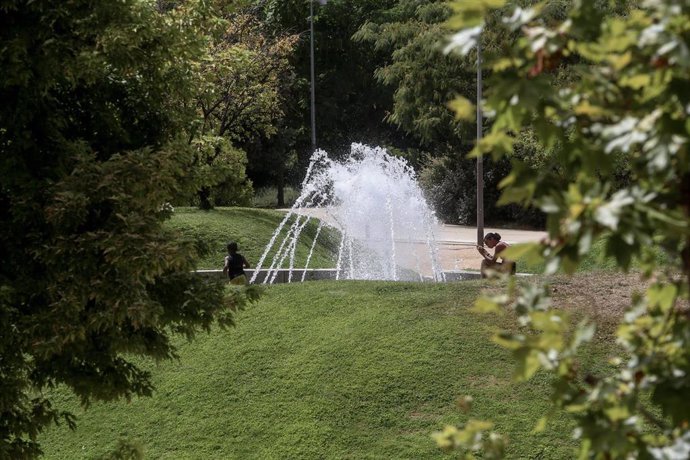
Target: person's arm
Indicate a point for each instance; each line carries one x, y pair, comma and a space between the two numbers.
482, 250
225, 266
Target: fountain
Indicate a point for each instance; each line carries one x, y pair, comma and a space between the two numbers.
372, 198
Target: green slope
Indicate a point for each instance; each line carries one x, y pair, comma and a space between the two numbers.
329, 370
252, 230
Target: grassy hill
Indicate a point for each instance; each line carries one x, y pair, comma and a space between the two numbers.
330, 370
252, 230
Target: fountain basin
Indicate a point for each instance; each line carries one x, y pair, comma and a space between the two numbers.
315, 274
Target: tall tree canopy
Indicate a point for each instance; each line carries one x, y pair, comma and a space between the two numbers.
243, 84
410, 36
95, 95
349, 106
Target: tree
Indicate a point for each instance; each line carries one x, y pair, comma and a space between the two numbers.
409, 35
241, 100
94, 98
631, 95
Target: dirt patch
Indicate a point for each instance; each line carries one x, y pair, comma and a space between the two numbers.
459, 257
603, 297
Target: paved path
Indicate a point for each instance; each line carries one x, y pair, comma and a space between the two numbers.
456, 243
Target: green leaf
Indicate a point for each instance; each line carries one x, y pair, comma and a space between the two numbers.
592, 111
636, 81
509, 341
469, 13
620, 61
583, 333
549, 321
496, 142
515, 194
507, 181
620, 250
662, 296
528, 364
463, 108
540, 425
529, 251
617, 413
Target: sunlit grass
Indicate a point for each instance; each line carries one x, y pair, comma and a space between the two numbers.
330, 370
252, 230
596, 259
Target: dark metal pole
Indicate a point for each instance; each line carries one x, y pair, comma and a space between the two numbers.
480, 159
313, 83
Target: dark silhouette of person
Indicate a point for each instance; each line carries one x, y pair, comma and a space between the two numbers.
234, 266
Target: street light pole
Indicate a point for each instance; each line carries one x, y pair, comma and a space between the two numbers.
313, 80
313, 91
480, 159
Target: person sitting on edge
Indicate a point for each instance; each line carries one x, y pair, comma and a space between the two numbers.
493, 241
235, 263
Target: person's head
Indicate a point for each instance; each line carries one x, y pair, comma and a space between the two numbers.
232, 247
492, 239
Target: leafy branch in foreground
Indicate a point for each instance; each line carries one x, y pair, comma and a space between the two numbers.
629, 95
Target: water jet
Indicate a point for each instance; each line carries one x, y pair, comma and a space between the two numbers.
386, 229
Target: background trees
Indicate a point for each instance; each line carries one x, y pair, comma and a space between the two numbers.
95, 96
382, 78
408, 36
244, 77
349, 105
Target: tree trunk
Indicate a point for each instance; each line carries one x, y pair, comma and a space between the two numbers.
205, 199
280, 185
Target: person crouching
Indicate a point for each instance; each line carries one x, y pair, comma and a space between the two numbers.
495, 262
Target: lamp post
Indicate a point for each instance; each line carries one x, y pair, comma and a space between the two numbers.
480, 160
313, 81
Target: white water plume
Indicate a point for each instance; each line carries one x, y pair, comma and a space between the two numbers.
373, 200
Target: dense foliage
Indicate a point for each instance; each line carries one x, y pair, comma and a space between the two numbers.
95, 95
243, 78
350, 107
630, 95
409, 36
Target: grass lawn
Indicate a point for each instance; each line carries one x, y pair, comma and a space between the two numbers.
267, 197
595, 260
252, 230
330, 370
